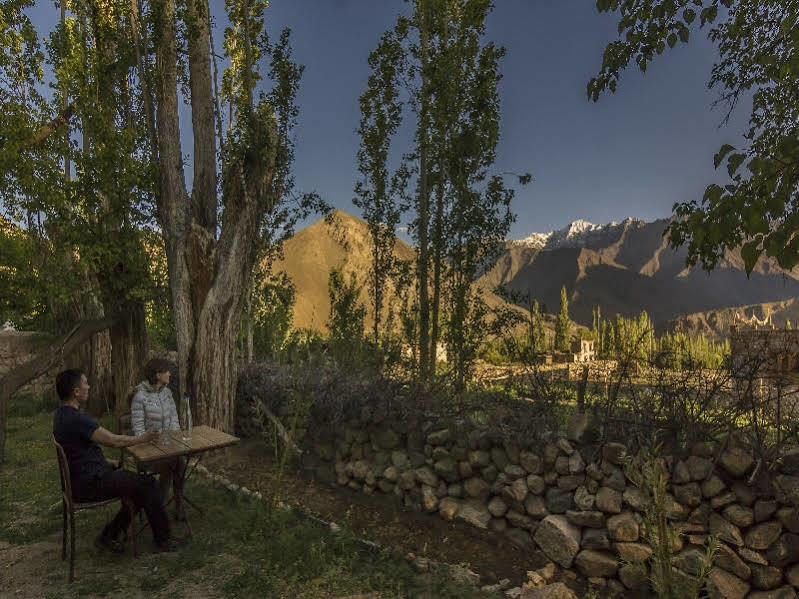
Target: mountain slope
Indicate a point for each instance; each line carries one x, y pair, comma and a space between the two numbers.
716, 323
341, 241
628, 267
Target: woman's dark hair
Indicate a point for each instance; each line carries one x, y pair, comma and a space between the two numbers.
153, 367
67, 381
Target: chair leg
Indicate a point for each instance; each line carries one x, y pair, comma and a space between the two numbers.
72, 546
132, 527
64, 531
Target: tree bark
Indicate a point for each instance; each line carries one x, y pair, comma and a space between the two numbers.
128, 353
208, 276
204, 192
94, 358
40, 364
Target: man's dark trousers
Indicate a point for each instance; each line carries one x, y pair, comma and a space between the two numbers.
142, 489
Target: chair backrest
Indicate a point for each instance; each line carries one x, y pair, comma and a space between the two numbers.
63, 470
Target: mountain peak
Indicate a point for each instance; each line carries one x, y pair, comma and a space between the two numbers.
577, 234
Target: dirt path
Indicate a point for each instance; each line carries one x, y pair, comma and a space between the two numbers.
381, 518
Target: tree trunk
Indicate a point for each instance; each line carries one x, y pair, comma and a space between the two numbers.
424, 200
438, 256
214, 367
250, 349
43, 362
94, 358
207, 276
128, 353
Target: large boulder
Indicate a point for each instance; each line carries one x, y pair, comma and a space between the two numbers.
761, 536
728, 560
558, 500
596, 563
739, 515
623, 527
737, 461
723, 585
724, 530
608, 500
699, 468
497, 507
615, 453
557, 590
448, 508
589, 519
534, 506
476, 487
474, 513
559, 539
633, 553
447, 469
531, 462
426, 476
784, 551
766, 578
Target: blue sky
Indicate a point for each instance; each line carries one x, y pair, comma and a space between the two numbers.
631, 154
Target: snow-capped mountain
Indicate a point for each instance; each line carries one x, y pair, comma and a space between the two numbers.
579, 233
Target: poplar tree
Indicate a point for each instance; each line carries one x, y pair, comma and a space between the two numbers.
563, 323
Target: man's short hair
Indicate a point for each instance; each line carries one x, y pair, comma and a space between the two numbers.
153, 367
67, 381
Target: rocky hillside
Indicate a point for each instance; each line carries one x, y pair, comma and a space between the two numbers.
628, 267
341, 241
716, 323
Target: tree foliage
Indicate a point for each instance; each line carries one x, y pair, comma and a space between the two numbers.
460, 210
563, 323
346, 320
758, 43
380, 194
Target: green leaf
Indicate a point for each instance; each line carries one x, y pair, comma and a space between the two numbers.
689, 15
750, 252
671, 40
734, 163
719, 157
712, 194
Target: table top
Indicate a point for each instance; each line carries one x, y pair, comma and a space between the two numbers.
203, 438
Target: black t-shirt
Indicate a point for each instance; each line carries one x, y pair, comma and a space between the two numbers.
73, 429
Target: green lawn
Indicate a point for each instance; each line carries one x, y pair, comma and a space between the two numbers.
241, 548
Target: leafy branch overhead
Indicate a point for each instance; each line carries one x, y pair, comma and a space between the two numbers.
758, 43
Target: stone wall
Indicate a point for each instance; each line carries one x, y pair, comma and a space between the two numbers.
16, 348
574, 502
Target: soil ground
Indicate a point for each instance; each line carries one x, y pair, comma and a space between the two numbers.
380, 518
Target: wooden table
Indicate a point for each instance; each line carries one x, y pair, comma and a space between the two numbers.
171, 445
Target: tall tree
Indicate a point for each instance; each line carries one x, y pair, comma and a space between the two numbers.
212, 238
379, 194
88, 265
461, 212
563, 323
758, 41
537, 336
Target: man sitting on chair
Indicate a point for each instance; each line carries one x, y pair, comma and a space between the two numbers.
153, 409
93, 479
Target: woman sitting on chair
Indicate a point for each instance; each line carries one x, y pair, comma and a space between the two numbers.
153, 409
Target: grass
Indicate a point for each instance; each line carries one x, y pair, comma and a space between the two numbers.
240, 547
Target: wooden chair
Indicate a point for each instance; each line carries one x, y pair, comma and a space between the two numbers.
71, 506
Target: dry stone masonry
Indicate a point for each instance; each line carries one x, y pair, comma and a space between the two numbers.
574, 502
